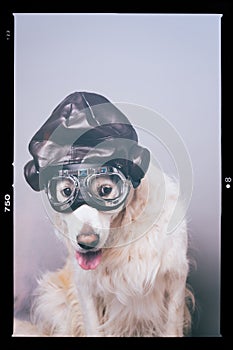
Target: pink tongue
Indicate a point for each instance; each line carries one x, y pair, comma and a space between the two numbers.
90, 260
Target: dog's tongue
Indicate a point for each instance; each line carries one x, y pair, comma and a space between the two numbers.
89, 260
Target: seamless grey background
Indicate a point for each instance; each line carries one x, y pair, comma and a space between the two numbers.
167, 63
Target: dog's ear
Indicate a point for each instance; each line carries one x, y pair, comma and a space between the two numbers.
140, 157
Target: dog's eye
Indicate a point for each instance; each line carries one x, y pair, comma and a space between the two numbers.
65, 189
104, 190
67, 192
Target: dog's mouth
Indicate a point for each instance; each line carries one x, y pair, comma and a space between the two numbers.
89, 260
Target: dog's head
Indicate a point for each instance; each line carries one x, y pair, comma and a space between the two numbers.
87, 159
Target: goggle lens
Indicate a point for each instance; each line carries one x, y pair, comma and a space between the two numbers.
103, 190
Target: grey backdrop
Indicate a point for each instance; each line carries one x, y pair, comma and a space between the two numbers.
167, 63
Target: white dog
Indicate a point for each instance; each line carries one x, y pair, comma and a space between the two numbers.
136, 289
124, 275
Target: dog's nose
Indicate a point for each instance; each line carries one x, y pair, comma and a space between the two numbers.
87, 240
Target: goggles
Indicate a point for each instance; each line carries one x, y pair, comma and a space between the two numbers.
104, 188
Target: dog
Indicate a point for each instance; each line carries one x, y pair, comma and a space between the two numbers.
125, 276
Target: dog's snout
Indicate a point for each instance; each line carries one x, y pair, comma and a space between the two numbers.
87, 240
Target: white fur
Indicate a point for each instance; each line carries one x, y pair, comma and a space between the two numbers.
138, 289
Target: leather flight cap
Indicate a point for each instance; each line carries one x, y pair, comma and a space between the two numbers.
86, 128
